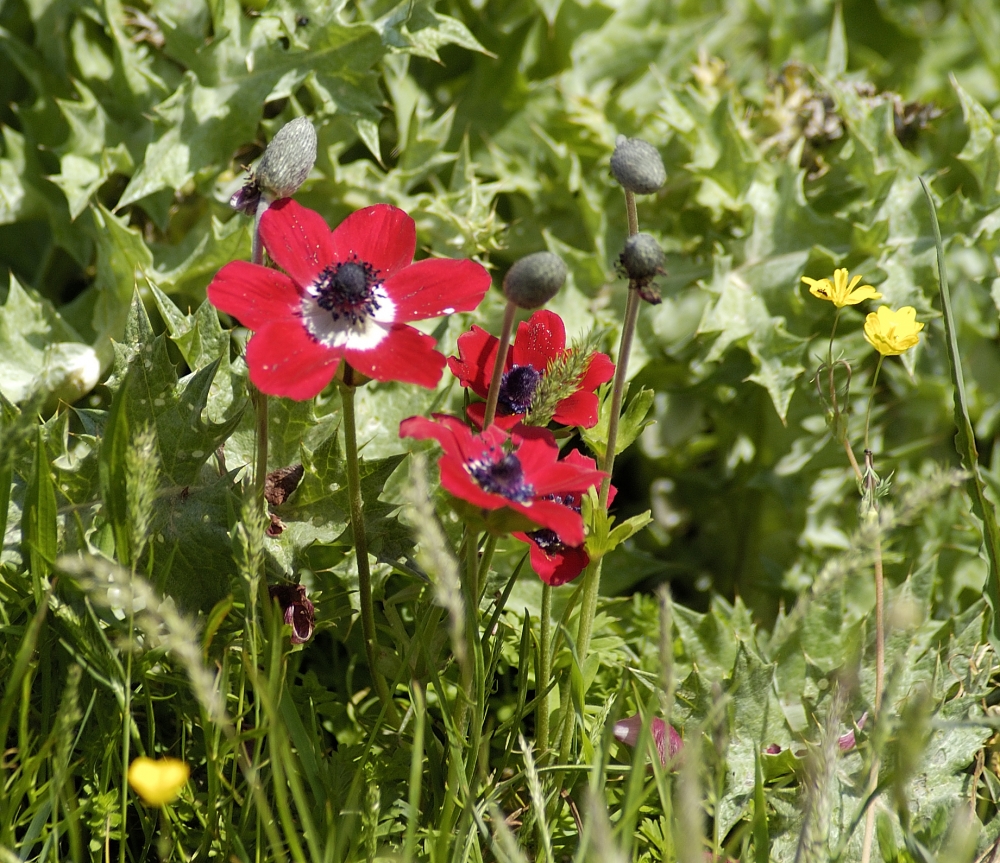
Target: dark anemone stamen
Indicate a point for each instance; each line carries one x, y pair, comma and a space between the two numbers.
346, 290
517, 389
504, 477
547, 540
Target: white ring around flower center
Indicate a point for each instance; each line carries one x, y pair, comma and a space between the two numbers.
363, 336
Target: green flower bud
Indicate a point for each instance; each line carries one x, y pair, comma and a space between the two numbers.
637, 166
287, 160
534, 280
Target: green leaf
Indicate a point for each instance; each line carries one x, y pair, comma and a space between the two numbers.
965, 438
39, 352
740, 316
40, 530
419, 30
151, 394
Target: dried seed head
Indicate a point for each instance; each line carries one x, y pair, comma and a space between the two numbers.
534, 280
288, 159
637, 166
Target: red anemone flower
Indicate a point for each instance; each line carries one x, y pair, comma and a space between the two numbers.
494, 470
539, 339
554, 560
347, 294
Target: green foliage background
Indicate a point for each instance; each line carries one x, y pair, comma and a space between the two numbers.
793, 135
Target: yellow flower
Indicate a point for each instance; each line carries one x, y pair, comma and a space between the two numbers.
891, 333
839, 292
158, 781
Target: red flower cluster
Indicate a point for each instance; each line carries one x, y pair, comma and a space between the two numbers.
554, 559
520, 472
538, 340
348, 294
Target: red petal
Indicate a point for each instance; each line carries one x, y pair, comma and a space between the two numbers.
405, 354
437, 286
537, 455
578, 409
254, 294
297, 239
383, 236
539, 339
558, 567
547, 513
477, 413
600, 371
285, 360
477, 351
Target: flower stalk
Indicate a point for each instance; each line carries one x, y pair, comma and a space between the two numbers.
500, 363
347, 390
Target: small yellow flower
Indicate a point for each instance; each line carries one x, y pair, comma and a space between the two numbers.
839, 292
891, 333
158, 781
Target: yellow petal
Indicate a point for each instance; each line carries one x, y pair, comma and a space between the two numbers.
158, 781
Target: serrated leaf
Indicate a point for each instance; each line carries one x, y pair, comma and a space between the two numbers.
152, 394
40, 352
740, 316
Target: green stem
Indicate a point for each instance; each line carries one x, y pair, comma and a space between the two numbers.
475, 648
485, 562
361, 544
258, 398
499, 364
544, 673
256, 245
871, 398
592, 575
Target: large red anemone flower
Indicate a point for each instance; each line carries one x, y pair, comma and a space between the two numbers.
494, 470
347, 294
555, 560
539, 339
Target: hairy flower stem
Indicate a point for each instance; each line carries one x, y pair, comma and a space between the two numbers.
361, 543
592, 574
544, 673
258, 398
840, 431
499, 364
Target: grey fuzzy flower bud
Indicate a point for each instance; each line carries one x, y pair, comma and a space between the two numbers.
642, 258
534, 280
642, 261
637, 166
287, 160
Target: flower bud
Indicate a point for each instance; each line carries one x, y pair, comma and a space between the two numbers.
642, 261
287, 160
534, 280
642, 258
637, 166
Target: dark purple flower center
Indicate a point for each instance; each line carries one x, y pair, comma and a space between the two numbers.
504, 477
347, 290
547, 540
517, 389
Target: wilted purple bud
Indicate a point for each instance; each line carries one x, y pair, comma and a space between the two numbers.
668, 741
247, 198
299, 612
847, 741
773, 749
